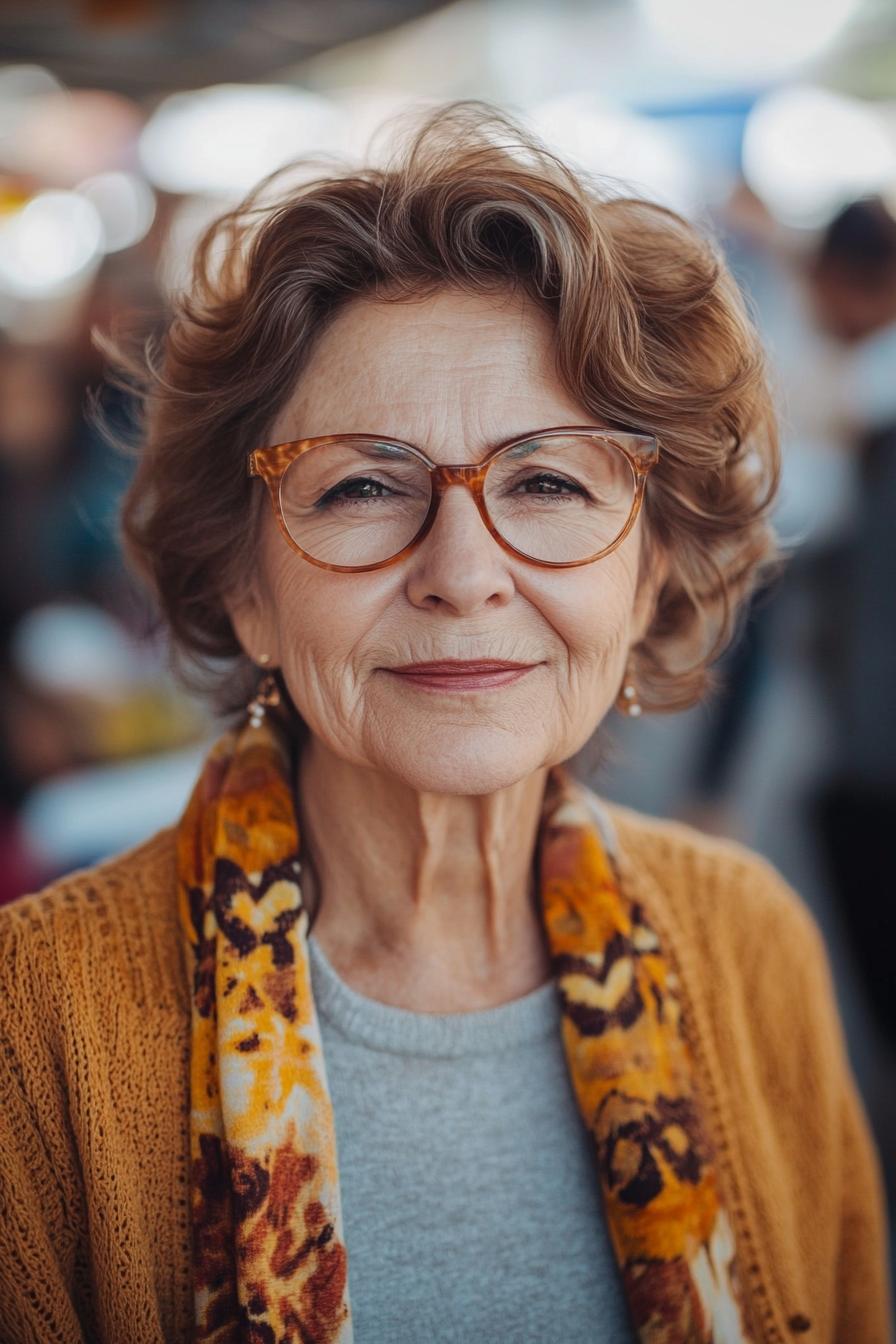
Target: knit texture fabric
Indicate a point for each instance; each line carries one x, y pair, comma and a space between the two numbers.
95, 1095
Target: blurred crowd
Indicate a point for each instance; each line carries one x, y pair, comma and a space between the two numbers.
85, 687
839, 398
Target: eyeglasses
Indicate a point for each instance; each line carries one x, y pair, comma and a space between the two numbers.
557, 498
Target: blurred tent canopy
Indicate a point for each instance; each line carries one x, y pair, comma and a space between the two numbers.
152, 47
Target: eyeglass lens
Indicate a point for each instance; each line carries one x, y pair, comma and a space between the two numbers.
559, 499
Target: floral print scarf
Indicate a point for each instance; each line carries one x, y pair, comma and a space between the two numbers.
270, 1264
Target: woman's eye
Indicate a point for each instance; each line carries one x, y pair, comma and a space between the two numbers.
553, 485
363, 487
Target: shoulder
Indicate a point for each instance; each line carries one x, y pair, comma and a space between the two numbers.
65, 902
750, 949
666, 845
756, 977
712, 882
93, 923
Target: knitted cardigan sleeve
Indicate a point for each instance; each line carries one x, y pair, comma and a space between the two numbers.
42, 1273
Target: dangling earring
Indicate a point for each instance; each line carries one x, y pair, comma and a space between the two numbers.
267, 695
627, 699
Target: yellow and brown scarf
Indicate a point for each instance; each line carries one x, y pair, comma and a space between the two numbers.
270, 1264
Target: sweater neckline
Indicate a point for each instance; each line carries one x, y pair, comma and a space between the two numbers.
532, 1017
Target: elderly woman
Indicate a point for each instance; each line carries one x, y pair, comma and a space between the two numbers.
401, 1033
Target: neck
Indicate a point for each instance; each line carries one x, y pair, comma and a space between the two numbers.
424, 900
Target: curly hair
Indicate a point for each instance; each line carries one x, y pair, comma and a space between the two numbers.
650, 332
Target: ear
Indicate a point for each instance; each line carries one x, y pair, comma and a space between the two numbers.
252, 623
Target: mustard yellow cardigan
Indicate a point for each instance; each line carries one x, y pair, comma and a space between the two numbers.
94, 1096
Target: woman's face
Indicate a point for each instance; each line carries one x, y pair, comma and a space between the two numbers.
454, 374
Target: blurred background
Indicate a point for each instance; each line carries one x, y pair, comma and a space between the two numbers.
127, 125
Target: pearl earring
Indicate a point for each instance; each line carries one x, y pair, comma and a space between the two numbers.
267, 695
627, 700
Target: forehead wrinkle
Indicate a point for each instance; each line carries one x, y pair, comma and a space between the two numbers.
388, 370
381, 362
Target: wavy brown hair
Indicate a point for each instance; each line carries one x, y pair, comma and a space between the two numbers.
650, 329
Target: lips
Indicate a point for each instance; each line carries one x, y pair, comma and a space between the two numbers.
456, 667
481, 674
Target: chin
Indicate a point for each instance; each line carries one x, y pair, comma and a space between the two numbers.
464, 761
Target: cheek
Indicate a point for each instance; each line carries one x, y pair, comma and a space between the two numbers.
591, 610
322, 621
316, 625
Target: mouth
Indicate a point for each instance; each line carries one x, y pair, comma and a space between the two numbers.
462, 666
458, 675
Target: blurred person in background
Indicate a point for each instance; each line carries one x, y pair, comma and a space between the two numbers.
444, 461
853, 284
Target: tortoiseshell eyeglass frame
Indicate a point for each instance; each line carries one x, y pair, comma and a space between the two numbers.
640, 450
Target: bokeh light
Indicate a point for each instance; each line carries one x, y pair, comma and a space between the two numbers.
636, 155
65, 135
49, 244
807, 151
746, 40
224, 139
126, 205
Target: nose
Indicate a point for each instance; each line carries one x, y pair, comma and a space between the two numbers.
459, 564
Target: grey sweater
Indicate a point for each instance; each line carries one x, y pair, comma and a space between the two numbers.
470, 1197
